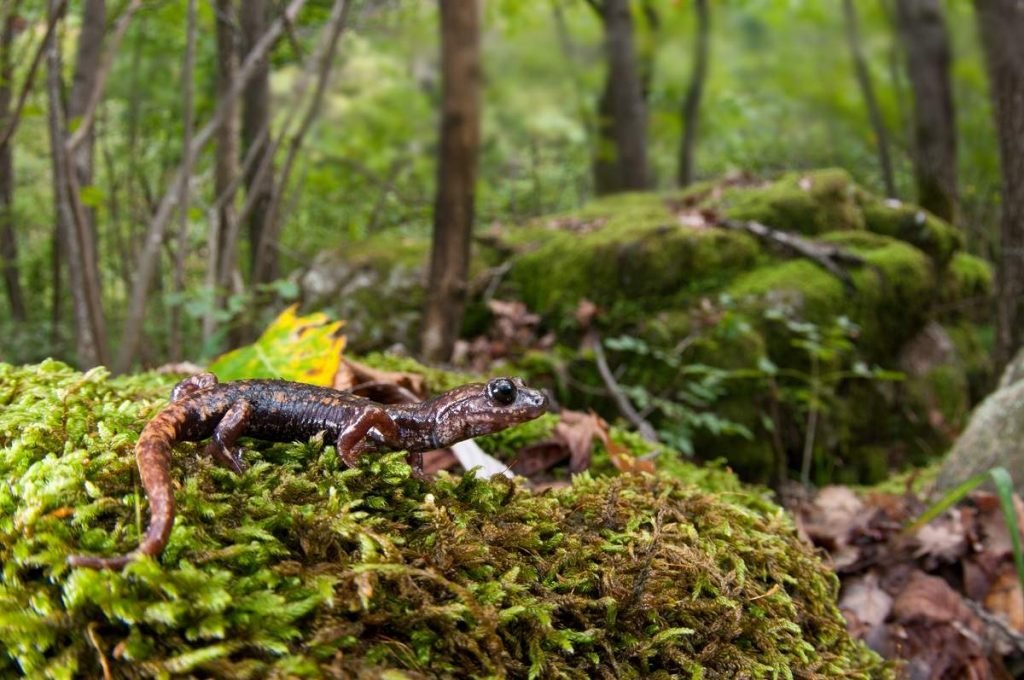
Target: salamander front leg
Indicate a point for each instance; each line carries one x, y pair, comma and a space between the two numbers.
222, 445
193, 383
353, 442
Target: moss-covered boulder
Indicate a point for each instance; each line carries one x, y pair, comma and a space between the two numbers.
665, 272
804, 203
301, 568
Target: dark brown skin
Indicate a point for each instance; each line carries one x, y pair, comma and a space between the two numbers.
278, 410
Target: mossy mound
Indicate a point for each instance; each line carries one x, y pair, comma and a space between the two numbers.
629, 253
804, 203
300, 568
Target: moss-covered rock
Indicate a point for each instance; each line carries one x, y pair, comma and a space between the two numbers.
907, 222
301, 568
640, 260
804, 203
890, 298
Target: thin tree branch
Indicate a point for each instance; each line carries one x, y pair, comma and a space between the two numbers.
51, 24
272, 227
130, 335
626, 408
106, 61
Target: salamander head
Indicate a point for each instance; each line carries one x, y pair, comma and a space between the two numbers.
484, 408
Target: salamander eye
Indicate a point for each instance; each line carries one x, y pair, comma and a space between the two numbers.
502, 391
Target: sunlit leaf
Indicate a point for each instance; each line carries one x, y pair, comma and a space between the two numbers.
303, 348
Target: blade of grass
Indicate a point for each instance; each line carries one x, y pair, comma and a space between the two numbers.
1004, 491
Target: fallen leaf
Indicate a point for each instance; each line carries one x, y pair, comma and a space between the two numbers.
942, 539
303, 348
864, 604
388, 387
1006, 599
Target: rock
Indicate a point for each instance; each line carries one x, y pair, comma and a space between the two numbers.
994, 436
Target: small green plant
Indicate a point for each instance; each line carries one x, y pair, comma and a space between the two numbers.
1003, 483
687, 406
831, 360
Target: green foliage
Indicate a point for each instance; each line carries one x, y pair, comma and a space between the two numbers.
688, 405
302, 568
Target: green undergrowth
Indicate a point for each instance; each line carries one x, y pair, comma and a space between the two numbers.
301, 568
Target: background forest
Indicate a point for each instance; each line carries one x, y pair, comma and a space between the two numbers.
346, 107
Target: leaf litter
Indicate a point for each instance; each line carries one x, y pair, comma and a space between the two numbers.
946, 599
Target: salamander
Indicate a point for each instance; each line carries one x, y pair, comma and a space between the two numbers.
279, 410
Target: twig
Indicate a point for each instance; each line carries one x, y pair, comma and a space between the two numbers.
621, 401
996, 628
828, 257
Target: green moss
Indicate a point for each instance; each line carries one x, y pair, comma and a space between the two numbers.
939, 239
892, 296
967, 284
805, 203
301, 568
629, 267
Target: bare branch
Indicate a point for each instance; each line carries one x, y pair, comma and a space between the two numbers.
151, 248
273, 225
51, 24
626, 408
86, 121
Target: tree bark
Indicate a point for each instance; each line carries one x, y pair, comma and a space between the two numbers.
860, 67
456, 176
691, 103
620, 162
78, 243
1001, 23
256, 126
922, 28
188, 66
226, 163
8, 238
83, 84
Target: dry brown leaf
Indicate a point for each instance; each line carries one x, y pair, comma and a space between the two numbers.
929, 599
1006, 599
943, 539
864, 604
836, 512
391, 386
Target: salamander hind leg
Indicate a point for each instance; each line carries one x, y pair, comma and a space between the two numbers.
353, 442
222, 445
193, 383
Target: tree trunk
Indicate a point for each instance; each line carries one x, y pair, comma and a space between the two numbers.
926, 45
860, 67
691, 103
87, 64
456, 176
256, 126
188, 67
620, 162
78, 243
268, 261
8, 239
226, 164
1001, 23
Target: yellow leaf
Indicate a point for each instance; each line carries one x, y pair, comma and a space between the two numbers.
302, 348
